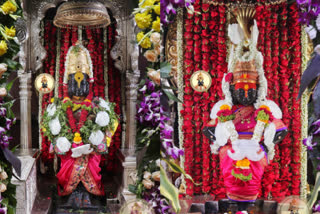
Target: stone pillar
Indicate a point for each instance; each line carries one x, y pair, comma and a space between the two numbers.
131, 105
25, 109
129, 160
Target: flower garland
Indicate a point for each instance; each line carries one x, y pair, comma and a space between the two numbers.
114, 77
295, 65
63, 132
50, 41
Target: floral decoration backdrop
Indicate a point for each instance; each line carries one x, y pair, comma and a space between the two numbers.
205, 48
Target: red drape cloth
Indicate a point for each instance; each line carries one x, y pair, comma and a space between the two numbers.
205, 48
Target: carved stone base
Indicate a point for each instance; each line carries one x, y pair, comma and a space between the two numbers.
27, 186
129, 164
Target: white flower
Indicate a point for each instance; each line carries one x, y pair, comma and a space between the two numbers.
155, 38
146, 175
104, 104
147, 183
63, 144
311, 31
156, 176
3, 67
317, 49
3, 187
3, 175
3, 92
51, 109
318, 22
55, 126
102, 119
96, 138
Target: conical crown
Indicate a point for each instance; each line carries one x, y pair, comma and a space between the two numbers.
245, 72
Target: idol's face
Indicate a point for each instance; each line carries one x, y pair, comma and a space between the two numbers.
244, 96
78, 85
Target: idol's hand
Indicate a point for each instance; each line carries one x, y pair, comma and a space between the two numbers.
280, 135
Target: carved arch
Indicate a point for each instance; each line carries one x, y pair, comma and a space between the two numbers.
37, 10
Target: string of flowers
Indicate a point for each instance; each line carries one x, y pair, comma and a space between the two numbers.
214, 20
48, 67
187, 112
114, 77
271, 49
295, 66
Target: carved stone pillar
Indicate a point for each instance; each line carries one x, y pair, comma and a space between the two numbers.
131, 95
25, 109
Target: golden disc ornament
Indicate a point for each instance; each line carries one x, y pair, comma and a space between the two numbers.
201, 81
44, 83
137, 206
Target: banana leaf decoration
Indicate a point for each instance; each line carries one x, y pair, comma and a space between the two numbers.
168, 190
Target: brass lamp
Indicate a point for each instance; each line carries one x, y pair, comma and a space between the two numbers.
82, 13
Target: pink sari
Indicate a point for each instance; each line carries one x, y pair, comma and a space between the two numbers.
84, 169
237, 189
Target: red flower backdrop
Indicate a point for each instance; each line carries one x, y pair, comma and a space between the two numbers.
96, 48
205, 39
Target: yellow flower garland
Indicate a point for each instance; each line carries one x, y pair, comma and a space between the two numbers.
156, 24
3, 47
8, 7
10, 31
145, 43
157, 9
143, 20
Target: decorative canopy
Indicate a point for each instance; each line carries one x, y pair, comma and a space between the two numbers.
85, 13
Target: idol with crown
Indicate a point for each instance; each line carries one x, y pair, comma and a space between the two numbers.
245, 125
80, 128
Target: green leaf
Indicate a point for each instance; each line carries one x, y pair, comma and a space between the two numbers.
177, 169
171, 96
165, 69
169, 87
242, 177
132, 188
12, 65
10, 84
315, 192
168, 190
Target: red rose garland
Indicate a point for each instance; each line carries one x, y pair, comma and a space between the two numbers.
187, 112
114, 86
295, 65
48, 67
213, 26
197, 175
205, 46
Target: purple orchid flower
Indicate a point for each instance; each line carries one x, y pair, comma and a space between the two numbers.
308, 142
302, 2
3, 210
3, 112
